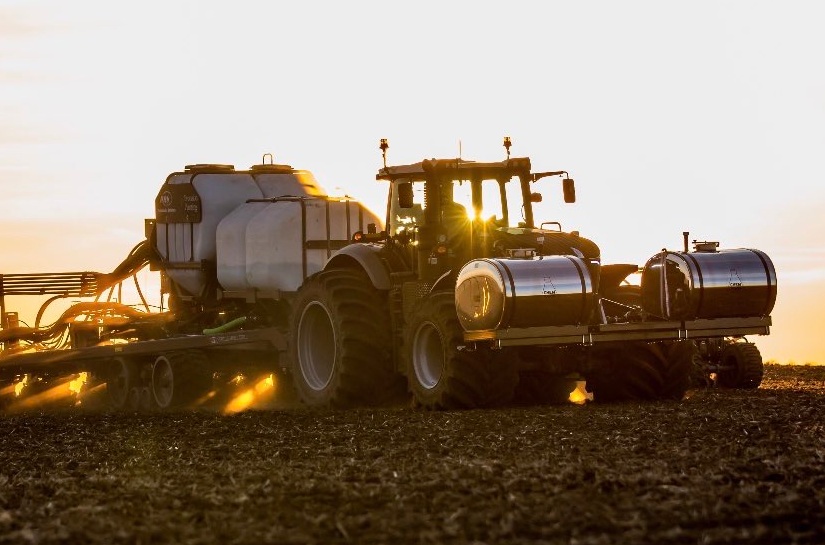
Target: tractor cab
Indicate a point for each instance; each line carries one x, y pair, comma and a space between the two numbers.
445, 212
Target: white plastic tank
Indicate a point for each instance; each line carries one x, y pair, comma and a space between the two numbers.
231, 245
274, 181
282, 181
286, 240
189, 207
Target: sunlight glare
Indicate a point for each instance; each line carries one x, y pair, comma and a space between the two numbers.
76, 385
59, 391
580, 395
18, 386
262, 391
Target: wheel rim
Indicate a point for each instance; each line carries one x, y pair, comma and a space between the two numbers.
428, 355
316, 346
120, 383
163, 382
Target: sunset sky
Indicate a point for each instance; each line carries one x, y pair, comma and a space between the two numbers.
706, 117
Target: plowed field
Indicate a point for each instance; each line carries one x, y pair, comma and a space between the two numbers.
722, 466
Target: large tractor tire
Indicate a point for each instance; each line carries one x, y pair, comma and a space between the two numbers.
178, 379
741, 366
440, 372
682, 360
641, 371
539, 387
340, 351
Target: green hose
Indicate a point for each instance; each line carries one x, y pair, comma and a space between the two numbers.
225, 327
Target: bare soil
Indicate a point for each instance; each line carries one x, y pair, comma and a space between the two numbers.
722, 466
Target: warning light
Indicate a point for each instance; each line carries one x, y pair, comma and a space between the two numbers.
361, 236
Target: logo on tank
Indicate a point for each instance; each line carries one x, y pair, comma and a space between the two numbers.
549, 288
735, 279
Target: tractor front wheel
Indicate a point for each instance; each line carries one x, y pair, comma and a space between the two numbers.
441, 373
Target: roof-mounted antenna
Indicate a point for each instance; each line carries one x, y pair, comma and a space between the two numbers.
459, 148
384, 146
507, 144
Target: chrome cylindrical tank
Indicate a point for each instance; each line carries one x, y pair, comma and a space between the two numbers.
713, 284
543, 291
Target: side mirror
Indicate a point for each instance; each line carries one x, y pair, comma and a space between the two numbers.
405, 195
569, 189
535, 197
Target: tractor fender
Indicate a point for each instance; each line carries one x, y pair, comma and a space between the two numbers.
363, 256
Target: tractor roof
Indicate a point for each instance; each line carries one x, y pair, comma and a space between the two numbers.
459, 169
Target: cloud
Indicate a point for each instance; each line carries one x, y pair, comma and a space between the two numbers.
15, 22
14, 135
14, 27
16, 132
800, 277
21, 27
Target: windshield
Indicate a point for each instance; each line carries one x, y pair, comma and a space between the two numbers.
503, 207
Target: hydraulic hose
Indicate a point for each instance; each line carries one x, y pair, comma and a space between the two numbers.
228, 326
78, 309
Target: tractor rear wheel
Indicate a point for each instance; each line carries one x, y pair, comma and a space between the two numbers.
441, 374
340, 351
741, 366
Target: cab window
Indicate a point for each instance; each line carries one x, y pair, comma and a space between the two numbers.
403, 219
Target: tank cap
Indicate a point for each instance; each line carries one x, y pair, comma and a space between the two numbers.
705, 246
269, 167
210, 166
